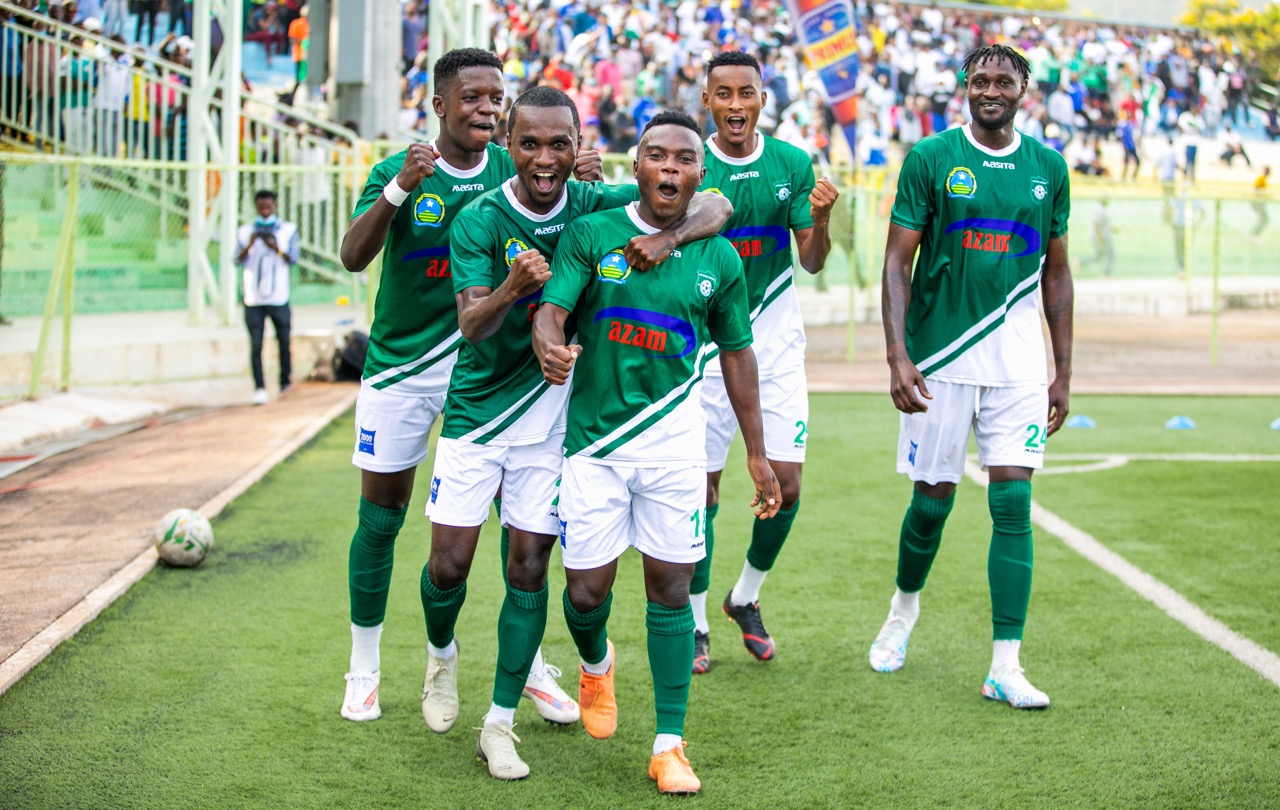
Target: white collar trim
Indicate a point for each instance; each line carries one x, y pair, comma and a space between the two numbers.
462, 174
509, 189
1005, 152
733, 161
633, 211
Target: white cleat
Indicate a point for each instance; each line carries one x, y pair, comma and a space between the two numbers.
260, 396
440, 692
1011, 686
497, 749
552, 703
889, 650
361, 700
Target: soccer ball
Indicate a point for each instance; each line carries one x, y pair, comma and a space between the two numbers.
183, 537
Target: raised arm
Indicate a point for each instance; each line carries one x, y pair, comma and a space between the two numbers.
367, 232
481, 310
895, 296
707, 215
1058, 294
742, 383
555, 358
814, 244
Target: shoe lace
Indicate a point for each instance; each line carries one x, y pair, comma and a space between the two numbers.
550, 671
501, 730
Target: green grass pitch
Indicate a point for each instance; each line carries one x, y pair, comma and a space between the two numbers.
219, 687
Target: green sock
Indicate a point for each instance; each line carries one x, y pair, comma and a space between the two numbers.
520, 626
441, 609
369, 562
504, 541
671, 662
701, 581
589, 630
1010, 557
921, 535
767, 537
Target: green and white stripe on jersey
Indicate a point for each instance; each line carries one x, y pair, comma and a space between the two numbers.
980, 329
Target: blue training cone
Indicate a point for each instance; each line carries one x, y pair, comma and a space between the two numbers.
1275, 425
1181, 423
1082, 421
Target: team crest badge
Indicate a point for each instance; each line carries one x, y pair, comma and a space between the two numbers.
961, 184
706, 285
1039, 188
514, 248
613, 267
713, 191
783, 191
428, 210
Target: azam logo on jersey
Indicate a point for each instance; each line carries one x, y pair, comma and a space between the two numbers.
997, 236
613, 267
961, 184
660, 335
428, 210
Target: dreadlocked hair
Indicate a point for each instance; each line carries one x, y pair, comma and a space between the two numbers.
994, 53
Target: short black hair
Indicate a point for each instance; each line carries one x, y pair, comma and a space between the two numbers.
265, 194
544, 97
457, 60
728, 58
674, 117
994, 53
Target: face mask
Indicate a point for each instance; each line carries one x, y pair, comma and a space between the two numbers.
269, 222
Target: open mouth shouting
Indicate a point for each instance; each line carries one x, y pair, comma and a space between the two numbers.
736, 124
668, 191
544, 182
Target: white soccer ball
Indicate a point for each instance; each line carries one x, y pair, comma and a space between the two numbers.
183, 537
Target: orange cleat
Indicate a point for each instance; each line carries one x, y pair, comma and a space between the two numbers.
673, 773
597, 701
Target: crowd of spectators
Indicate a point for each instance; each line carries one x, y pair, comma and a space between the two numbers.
1091, 83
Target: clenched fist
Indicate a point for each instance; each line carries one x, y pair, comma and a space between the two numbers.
529, 271
821, 200
419, 164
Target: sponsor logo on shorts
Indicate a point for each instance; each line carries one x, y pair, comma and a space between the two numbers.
564, 529
364, 441
435, 488
698, 544
911, 454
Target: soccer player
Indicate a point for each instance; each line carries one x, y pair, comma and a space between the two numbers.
406, 210
988, 210
772, 188
635, 462
503, 424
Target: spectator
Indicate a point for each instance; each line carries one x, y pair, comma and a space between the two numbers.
113, 89
1232, 146
77, 75
268, 249
146, 11
299, 36
1128, 134
1260, 204
265, 27
1104, 247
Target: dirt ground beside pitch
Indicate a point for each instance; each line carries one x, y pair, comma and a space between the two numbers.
90, 510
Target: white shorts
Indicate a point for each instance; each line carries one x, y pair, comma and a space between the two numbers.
467, 477
604, 510
392, 429
784, 406
1008, 423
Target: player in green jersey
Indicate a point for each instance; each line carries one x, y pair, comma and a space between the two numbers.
503, 424
634, 472
774, 195
988, 210
406, 211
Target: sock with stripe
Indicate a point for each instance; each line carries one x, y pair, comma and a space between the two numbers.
441, 609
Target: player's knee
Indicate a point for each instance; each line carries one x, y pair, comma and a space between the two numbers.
790, 488
526, 572
586, 595
447, 571
713, 488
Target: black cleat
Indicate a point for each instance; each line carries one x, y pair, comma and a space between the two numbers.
701, 653
754, 637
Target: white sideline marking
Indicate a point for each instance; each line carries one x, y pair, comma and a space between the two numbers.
13, 668
1177, 606
1112, 461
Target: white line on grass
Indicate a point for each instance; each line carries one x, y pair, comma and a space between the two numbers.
1177, 606
87, 609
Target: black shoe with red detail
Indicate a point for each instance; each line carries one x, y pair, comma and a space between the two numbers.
701, 653
754, 637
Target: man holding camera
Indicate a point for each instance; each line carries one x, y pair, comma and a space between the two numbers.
268, 248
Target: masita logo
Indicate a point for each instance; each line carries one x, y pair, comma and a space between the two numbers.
428, 210
549, 229
469, 187
613, 267
743, 176
961, 184
995, 164
997, 236
659, 334
757, 241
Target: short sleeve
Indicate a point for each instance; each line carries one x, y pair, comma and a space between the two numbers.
471, 253
378, 179
598, 196
570, 268
914, 203
1061, 201
799, 215
729, 319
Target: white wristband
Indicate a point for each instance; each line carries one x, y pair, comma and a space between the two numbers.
394, 194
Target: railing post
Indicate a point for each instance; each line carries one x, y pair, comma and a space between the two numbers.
69, 274
1214, 303
63, 263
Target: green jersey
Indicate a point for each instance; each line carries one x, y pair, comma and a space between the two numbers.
646, 339
986, 219
770, 191
414, 339
497, 394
